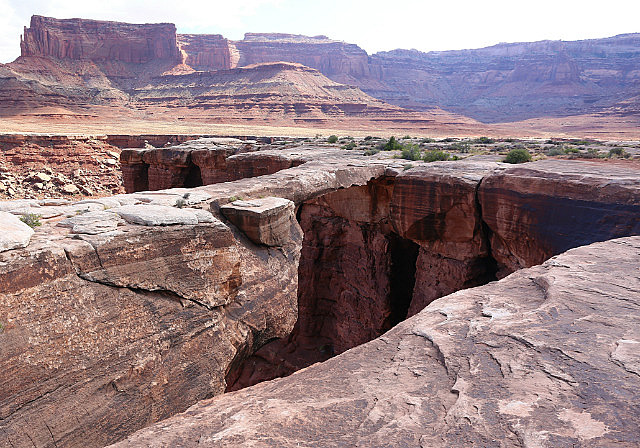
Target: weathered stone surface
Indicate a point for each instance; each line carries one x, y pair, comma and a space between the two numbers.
160, 215
13, 232
264, 221
92, 222
105, 335
544, 208
544, 357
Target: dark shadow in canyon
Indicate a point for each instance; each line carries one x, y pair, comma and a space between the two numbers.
357, 279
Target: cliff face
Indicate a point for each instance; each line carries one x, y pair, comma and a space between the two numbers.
208, 51
337, 60
99, 40
507, 82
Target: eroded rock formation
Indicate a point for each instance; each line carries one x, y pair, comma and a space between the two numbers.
99, 40
545, 357
137, 306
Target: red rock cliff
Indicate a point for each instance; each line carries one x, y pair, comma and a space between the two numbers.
99, 40
208, 51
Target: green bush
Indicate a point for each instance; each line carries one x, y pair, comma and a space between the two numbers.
391, 145
462, 147
619, 152
367, 138
449, 140
518, 156
370, 152
555, 152
434, 156
427, 140
406, 137
411, 152
484, 140
332, 139
31, 219
349, 145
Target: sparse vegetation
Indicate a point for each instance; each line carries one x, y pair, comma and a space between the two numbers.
367, 138
406, 137
484, 140
370, 152
619, 152
434, 156
31, 219
349, 145
235, 198
391, 145
518, 156
332, 139
411, 152
407, 166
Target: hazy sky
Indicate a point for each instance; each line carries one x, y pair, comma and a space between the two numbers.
375, 25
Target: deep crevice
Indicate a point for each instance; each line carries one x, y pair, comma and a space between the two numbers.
357, 279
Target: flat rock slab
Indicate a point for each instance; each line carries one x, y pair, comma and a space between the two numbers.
161, 215
14, 233
92, 223
265, 221
546, 357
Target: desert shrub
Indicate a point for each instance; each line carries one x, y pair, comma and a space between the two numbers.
619, 152
449, 140
332, 139
427, 140
406, 137
571, 150
518, 156
462, 147
31, 219
434, 156
555, 152
391, 145
484, 140
370, 152
407, 166
368, 137
411, 152
349, 145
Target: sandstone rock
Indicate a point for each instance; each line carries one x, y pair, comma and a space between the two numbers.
92, 222
264, 221
42, 177
507, 364
160, 215
70, 189
99, 41
13, 232
549, 206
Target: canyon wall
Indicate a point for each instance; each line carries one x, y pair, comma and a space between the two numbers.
99, 40
123, 311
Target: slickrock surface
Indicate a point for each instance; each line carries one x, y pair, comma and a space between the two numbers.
109, 326
546, 357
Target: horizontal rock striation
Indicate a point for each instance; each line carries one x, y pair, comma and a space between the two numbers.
99, 40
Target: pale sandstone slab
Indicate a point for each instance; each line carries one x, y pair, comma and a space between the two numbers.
92, 222
160, 215
14, 233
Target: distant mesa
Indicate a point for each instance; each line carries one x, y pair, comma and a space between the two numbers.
84, 63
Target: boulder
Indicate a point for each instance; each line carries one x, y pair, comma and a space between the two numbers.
13, 232
265, 221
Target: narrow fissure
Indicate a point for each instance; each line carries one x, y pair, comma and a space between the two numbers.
357, 279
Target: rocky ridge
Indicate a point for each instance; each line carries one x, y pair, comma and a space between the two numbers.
173, 253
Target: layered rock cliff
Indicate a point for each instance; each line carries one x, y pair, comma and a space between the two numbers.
99, 40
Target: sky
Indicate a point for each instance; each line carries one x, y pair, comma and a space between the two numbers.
375, 25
